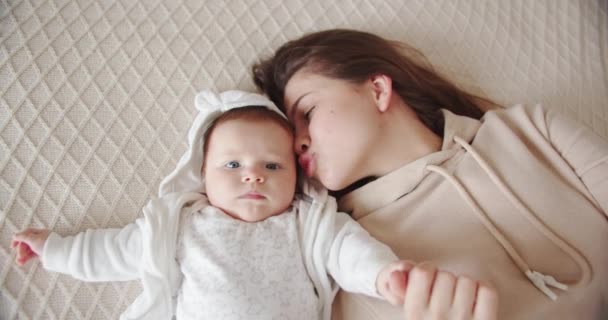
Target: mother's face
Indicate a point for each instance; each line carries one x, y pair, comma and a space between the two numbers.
336, 123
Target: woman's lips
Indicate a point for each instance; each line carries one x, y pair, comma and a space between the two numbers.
307, 162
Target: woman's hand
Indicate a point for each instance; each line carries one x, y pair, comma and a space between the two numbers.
29, 244
427, 293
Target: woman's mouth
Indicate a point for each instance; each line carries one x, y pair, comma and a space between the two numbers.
307, 162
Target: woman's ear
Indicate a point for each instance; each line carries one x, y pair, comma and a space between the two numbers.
382, 86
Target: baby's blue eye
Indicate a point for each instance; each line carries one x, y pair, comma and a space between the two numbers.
232, 164
273, 166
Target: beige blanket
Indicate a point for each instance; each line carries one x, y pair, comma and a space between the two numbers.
96, 97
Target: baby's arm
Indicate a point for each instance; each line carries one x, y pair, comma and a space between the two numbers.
354, 257
92, 255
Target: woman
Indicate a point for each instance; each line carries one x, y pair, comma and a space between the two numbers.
421, 166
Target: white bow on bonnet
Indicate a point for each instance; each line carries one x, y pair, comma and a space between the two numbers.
186, 177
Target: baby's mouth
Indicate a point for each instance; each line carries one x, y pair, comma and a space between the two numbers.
253, 195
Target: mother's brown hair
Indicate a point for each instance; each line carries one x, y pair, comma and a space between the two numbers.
355, 56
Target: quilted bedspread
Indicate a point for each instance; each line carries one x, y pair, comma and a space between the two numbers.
97, 96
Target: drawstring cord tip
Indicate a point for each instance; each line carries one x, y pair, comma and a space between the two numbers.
542, 282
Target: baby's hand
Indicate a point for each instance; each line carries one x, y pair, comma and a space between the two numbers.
392, 280
29, 244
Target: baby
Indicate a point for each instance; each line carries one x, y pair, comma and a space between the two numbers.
232, 240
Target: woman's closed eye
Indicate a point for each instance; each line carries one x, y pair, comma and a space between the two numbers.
308, 113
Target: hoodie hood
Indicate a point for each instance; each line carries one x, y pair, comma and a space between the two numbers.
187, 177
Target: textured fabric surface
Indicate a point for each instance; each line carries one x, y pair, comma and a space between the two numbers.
96, 97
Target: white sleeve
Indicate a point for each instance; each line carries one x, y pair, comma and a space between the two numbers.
585, 151
354, 257
96, 254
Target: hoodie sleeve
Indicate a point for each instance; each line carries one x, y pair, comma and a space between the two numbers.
96, 254
354, 257
584, 150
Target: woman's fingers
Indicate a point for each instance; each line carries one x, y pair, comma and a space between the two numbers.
417, 294
464, 297
442, 295
436, 294
486, 306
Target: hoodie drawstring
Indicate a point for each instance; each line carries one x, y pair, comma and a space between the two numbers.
541, 281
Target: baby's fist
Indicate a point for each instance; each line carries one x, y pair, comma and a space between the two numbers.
392, 280
29, 244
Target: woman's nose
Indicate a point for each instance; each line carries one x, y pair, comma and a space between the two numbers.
253, 176
301, 142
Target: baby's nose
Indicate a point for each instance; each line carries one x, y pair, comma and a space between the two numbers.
253, 176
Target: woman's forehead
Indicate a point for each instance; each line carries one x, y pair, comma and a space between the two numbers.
303, 83
298, 82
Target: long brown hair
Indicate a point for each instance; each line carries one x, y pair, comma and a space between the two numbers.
354, 56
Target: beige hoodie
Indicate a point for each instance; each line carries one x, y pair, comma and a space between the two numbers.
513, 198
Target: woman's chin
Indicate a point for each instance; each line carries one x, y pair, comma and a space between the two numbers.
331, 184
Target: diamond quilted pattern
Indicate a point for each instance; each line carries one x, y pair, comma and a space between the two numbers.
96, 98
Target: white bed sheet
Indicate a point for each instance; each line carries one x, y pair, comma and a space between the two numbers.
97, 96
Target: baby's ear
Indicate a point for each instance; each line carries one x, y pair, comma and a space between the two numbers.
382, 88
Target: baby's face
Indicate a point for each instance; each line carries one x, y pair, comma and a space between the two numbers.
250, 169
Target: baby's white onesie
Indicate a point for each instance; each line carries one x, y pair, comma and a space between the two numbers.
239, 270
